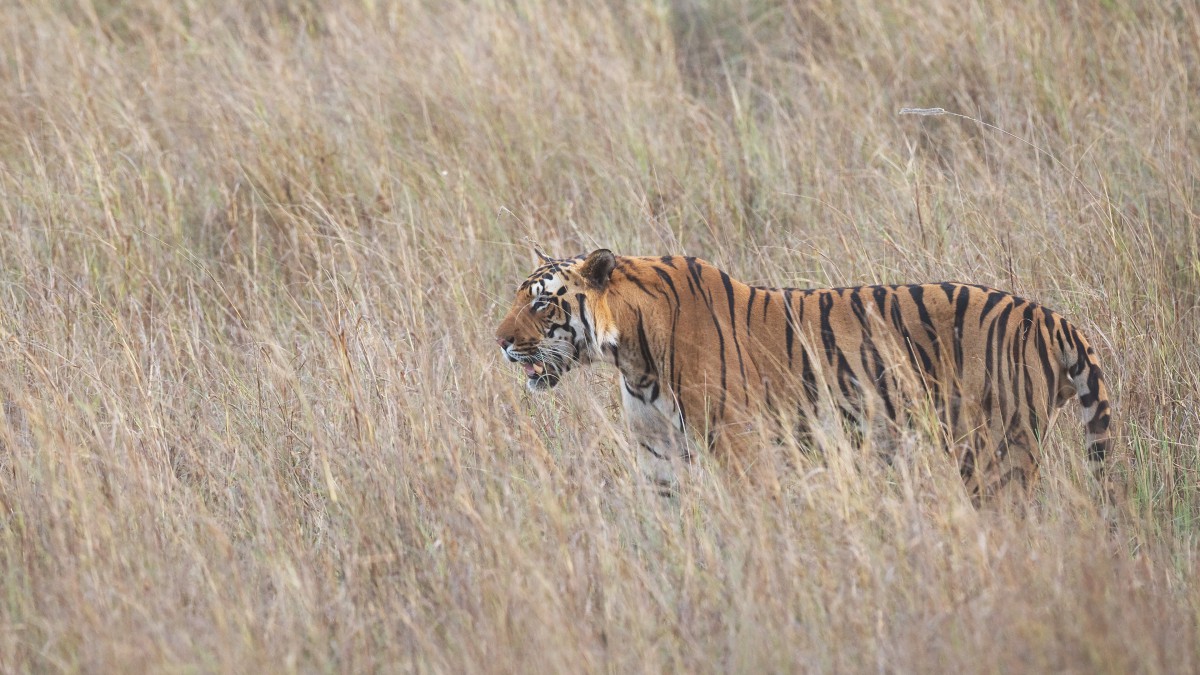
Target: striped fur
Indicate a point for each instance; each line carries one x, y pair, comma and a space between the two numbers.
701, 352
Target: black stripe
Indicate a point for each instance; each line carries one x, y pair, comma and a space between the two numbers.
588, 334
881, 296
850, 389
671, 376
917, 294
636, 282
868, 353
666, 277
808, 373
1080, 358
728, 284
650, 450
860, 311
913, 349
828, 339
1093, 384
948, 288
1014, 364
960, 314
991, 361
966, 466
721, 349
1099, 423
874, 365
1048, 369
1027, 327
788, 332
1034, 417
696, 272
993, 299
1002, 386
750, 305
737, 345
808, 376
644, 344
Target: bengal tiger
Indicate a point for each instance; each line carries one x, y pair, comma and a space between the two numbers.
701, 354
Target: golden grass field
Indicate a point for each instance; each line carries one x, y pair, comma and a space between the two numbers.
251, 256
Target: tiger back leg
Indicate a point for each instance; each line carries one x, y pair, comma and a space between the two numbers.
1014, 471
997, 458
997, 471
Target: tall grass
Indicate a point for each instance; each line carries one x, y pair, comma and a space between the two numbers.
251, 255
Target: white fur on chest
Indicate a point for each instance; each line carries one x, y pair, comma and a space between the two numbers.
655, 422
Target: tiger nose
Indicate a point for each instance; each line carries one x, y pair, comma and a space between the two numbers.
503, 342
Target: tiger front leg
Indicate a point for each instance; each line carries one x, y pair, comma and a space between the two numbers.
656, 431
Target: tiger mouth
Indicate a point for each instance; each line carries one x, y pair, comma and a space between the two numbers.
539, 375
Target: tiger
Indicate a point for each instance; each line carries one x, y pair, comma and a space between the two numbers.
701, 355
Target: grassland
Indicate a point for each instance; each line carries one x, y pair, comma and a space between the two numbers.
251, 255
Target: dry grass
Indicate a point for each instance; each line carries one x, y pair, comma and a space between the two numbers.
250, 258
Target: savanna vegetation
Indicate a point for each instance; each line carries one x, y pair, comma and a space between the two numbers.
251, 254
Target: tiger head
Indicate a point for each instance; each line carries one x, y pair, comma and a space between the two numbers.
557, 319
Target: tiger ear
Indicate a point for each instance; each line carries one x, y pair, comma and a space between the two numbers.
539, 258
598, 267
